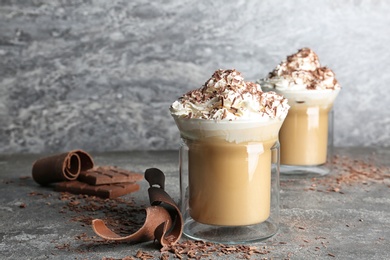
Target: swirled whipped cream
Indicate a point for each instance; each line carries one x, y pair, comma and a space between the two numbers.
227, 96
301, 71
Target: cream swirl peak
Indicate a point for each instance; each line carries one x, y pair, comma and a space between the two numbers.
301, 71
227, 96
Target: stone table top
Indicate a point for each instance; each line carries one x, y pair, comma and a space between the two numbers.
321, 217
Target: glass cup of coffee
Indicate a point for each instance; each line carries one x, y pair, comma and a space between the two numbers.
229, 179
306, 136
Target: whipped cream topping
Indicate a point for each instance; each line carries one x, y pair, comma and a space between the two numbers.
227, 96
301, 71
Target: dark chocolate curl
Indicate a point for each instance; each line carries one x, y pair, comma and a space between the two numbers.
61, 167
155, 176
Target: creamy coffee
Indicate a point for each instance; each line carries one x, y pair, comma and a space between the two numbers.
304, 136
229, 183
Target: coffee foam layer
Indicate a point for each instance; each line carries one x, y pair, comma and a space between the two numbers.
308, 97
230, 131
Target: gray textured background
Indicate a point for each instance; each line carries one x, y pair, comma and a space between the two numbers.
100, 75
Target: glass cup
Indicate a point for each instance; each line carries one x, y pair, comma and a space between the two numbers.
306, 136
229, 180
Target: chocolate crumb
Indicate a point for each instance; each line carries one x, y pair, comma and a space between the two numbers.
63, 246
349, 171
199, 249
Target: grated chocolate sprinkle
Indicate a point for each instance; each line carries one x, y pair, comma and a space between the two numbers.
349, 171
303, 68
227, 90
190, 249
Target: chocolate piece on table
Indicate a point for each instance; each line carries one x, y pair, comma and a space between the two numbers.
61, 167
109, 191
108, 174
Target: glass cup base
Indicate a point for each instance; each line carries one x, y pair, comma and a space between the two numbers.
229, 234
305, 169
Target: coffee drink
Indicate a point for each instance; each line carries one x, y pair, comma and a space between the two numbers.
229, 183
304, 136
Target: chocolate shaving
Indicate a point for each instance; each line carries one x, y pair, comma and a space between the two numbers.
349, 172
200, 249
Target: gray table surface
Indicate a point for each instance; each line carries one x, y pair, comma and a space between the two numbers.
351, 224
